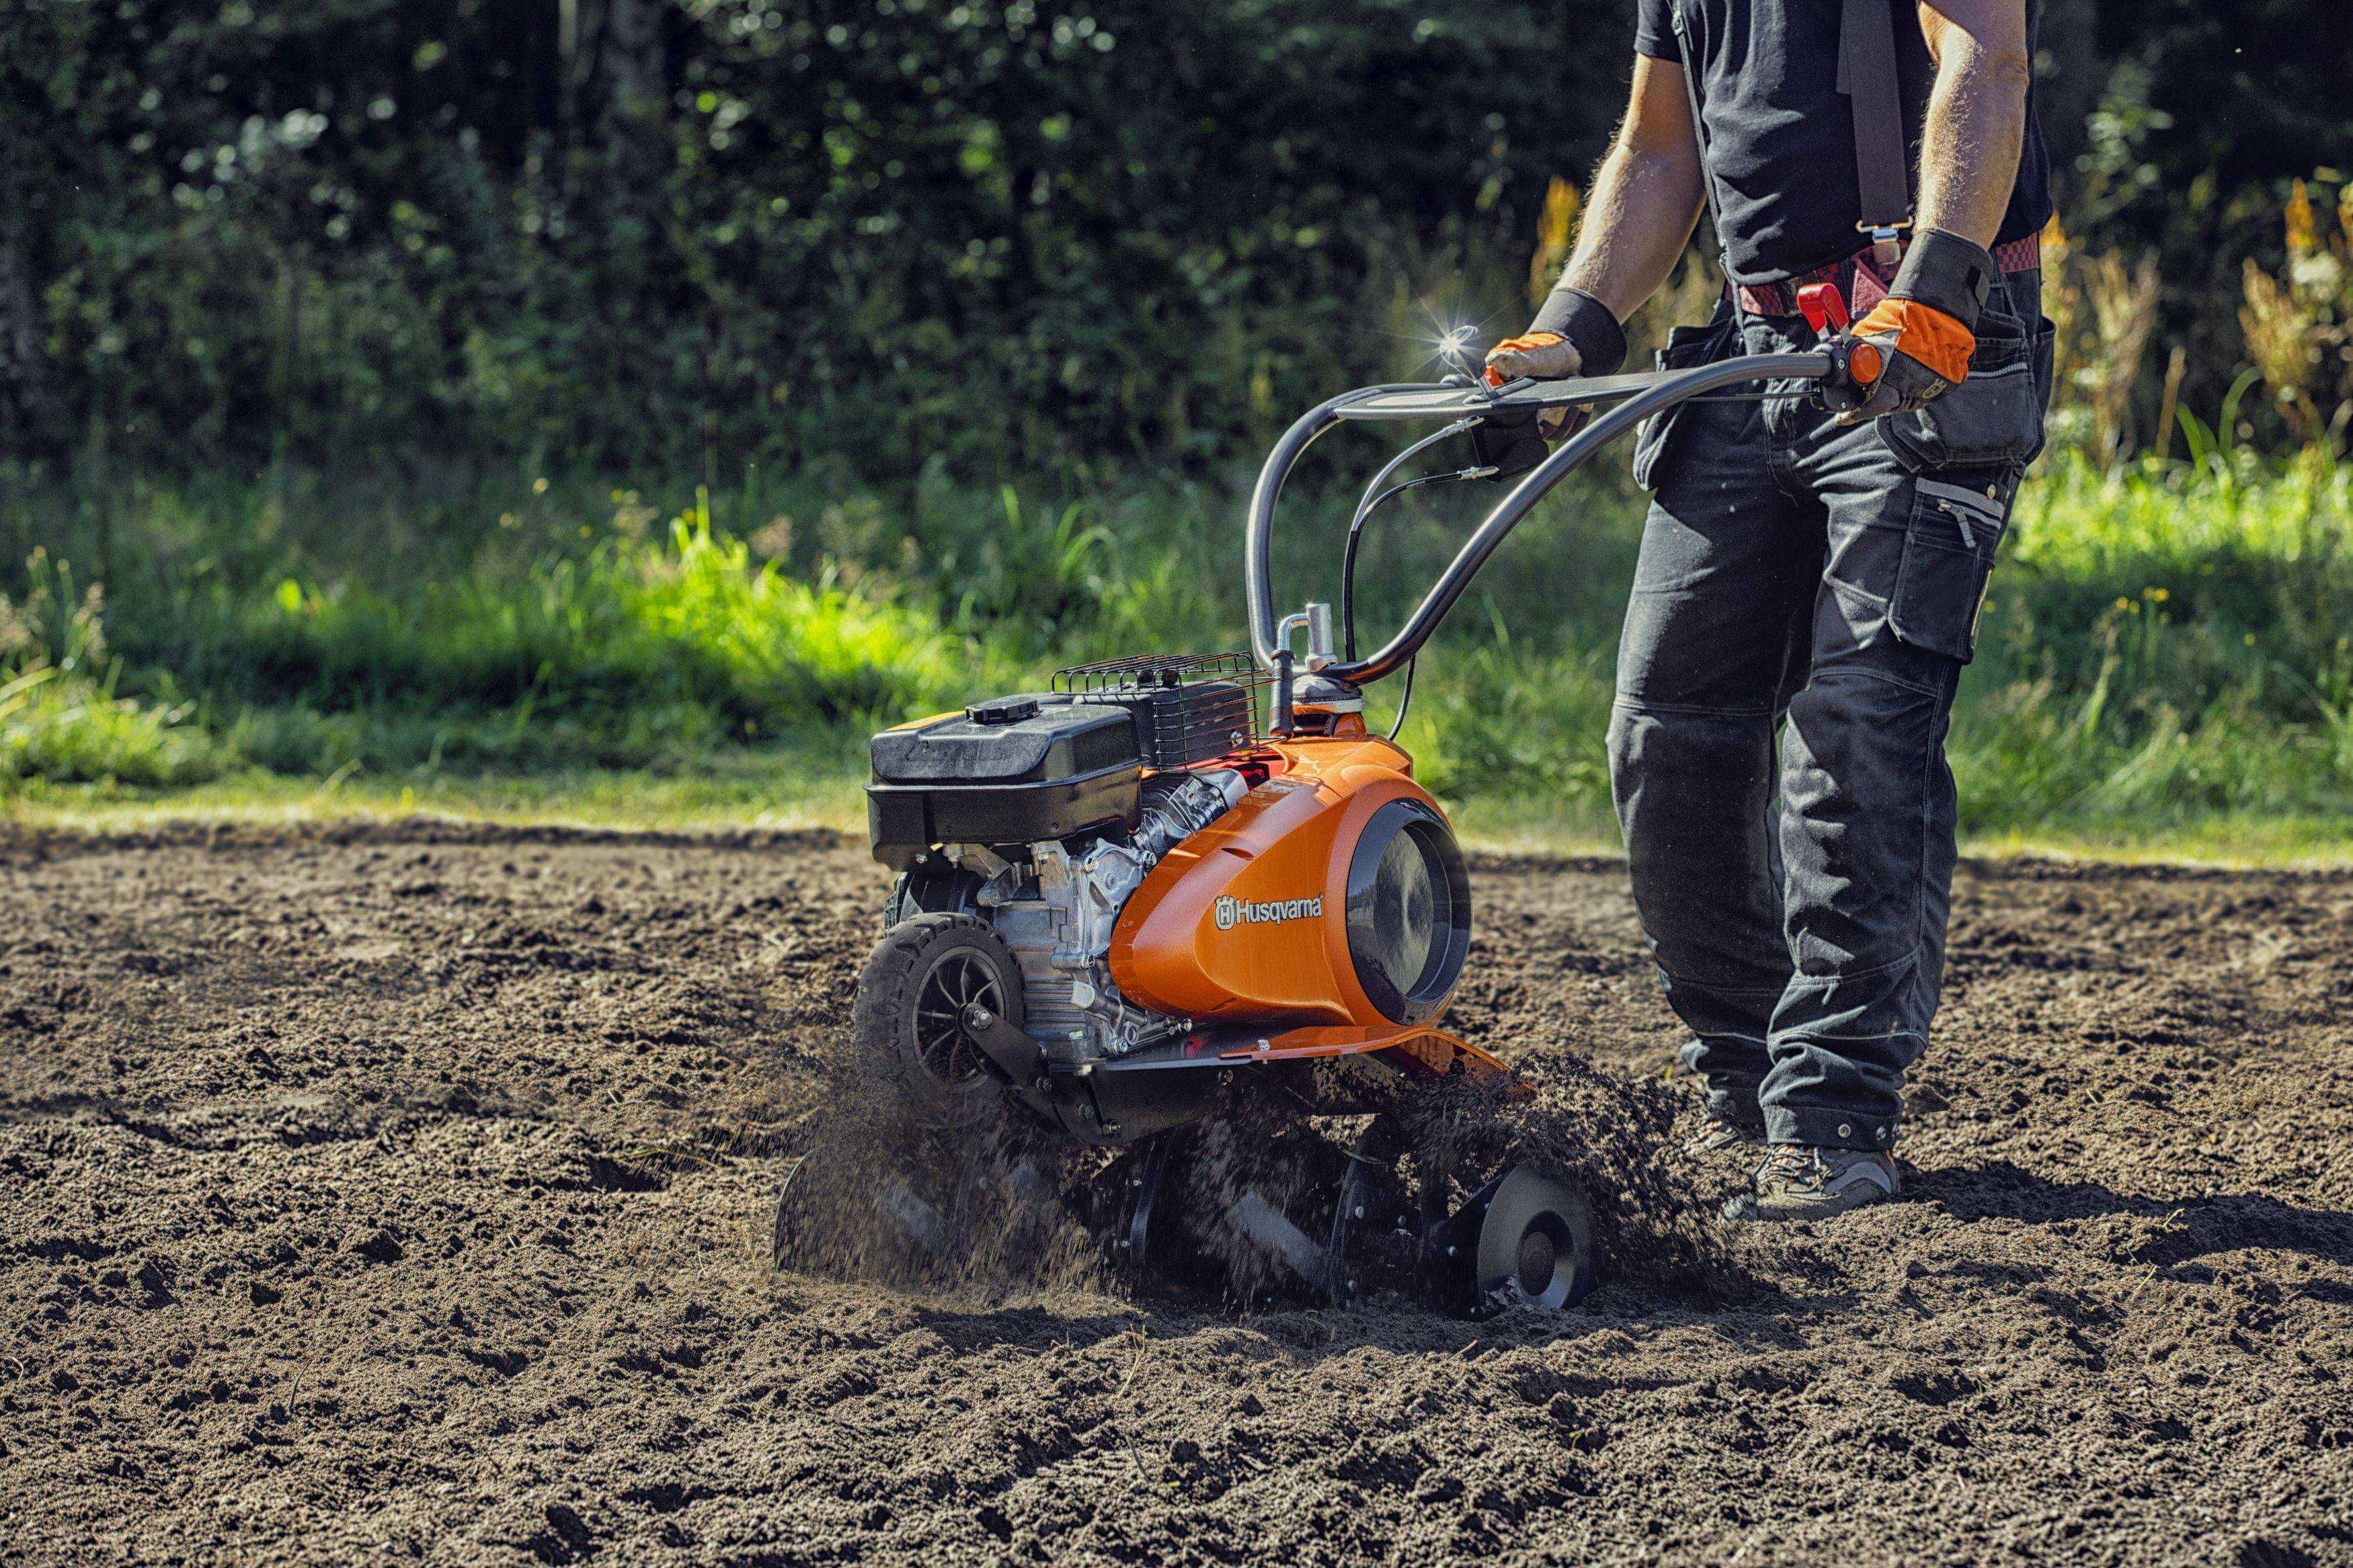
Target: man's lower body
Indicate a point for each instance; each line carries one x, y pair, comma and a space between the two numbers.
1805, 602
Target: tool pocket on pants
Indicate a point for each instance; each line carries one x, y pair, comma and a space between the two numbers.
1993, 419
1949, 541
1687, 349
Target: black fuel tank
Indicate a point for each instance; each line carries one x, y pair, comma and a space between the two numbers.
1014, 769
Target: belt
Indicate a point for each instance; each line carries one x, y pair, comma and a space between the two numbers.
1861, 281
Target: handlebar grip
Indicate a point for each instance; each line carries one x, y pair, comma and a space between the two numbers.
1855, 368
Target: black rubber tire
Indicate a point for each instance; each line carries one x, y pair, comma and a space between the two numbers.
901, 1029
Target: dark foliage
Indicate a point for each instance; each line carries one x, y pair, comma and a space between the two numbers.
616, 232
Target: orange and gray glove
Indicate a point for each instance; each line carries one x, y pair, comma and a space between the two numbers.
1574, 334
1544, 356
1924, 332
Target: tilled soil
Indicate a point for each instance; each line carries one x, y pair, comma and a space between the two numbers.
377, 1193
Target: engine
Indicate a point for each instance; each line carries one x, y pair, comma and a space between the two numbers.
1038, 814
1056, 913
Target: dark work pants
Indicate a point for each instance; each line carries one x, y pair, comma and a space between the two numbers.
1805, 601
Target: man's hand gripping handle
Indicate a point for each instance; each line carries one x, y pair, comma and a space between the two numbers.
1856, 364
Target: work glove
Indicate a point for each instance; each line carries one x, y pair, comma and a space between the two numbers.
1923, 332
1575, 334
1543, 356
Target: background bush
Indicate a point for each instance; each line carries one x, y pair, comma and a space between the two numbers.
407, 390
698, 235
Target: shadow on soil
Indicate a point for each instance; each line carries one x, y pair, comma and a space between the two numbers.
2193, 1227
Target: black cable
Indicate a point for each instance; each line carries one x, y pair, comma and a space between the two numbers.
1405, 702
1348, 575
1348, 554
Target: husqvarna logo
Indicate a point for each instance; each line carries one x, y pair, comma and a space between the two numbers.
1232, 911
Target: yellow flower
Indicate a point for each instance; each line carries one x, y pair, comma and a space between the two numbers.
1553, 226
2302, 233
2054, 240
539, 486
1560, 206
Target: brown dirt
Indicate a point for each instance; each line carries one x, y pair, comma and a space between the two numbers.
405, 1192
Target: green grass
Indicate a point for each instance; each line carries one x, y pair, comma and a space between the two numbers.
2163, 668
62, 718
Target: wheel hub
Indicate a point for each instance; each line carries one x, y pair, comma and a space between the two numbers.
958, 983
1537, 1256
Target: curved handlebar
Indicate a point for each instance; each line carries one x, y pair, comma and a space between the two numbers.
1491, 534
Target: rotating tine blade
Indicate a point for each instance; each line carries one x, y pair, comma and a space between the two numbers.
1267, 1226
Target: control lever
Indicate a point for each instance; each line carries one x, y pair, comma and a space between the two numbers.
1855, 366
1824, 306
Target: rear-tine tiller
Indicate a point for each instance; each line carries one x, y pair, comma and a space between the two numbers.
1130, 913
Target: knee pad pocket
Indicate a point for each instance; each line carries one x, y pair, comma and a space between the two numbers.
1955, 524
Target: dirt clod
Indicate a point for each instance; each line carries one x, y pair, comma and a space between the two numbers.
409, 1191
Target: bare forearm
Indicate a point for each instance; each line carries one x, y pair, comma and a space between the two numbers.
1976, 115
1646, 195
1643, 208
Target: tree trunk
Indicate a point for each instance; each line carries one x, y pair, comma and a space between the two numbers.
638, 94
20, 349
2069, 79
615, 70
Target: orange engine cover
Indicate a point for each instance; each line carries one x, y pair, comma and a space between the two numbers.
1247, 920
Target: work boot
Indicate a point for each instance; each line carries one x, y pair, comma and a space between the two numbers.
1718, 1133
1798, 1181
